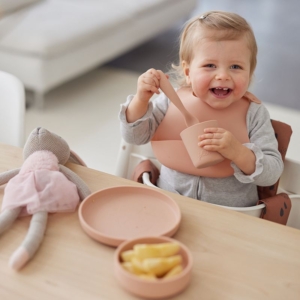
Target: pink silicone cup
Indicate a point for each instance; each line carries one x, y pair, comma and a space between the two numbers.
158, 289
114, 215
200, 157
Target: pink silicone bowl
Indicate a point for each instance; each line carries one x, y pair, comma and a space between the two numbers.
161, 288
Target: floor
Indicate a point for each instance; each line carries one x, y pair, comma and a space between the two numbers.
85, 113
85, 110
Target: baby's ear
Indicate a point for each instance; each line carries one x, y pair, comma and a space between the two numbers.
76, 159
186, 71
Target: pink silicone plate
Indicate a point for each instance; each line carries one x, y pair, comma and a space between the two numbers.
114, 215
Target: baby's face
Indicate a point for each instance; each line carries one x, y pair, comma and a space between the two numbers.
219, 72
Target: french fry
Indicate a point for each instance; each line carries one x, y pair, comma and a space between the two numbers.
130, 267
127, 255
160, 265
143, 251
138, 264
174, 271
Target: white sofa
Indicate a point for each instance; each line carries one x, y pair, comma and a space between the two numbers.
48, 42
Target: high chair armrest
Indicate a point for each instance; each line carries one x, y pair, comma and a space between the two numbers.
146, 167
146, 180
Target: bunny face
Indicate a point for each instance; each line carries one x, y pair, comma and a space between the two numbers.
42, 139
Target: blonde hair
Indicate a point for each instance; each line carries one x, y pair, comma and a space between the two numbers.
225, 26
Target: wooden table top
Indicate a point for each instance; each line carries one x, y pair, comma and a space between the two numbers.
235, 256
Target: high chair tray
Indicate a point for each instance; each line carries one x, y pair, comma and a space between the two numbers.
116, 214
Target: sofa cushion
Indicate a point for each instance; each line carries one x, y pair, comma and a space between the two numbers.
52, 27
8, 6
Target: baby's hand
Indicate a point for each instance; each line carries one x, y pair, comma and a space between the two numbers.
220, 140
148, 84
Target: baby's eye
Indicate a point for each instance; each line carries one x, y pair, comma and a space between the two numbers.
235, 67
210, 66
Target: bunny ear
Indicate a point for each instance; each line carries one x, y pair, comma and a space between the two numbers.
75, 158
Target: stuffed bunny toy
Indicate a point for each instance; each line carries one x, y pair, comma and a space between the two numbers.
42, 185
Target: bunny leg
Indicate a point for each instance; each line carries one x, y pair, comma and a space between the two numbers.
31, 242
7, 218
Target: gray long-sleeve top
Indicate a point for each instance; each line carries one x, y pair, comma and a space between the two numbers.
236, 190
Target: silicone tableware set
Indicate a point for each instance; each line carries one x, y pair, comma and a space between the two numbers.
124, 216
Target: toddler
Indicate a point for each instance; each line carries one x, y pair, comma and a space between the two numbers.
217, 58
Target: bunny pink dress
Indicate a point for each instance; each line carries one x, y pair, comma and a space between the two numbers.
40, 186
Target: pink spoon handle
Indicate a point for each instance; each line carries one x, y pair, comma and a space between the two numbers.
169, 91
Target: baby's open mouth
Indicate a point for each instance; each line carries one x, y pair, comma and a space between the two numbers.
219, 91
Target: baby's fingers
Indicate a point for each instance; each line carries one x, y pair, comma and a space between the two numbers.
210, 136
151, 88
156, 75
214, 130
151, 77
151, 80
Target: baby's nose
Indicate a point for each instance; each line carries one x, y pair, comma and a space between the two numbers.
222, 75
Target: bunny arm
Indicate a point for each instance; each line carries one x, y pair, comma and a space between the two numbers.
7, 175
32, 241
76, 159
83, 189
